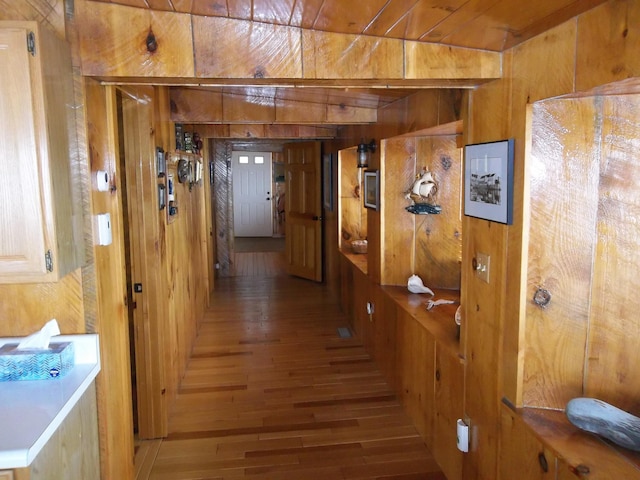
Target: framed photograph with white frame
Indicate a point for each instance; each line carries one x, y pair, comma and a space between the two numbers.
488, 181
372, 189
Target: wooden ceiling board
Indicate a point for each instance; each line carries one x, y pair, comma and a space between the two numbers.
208, 9
480, 24
424, 16
165, 5
238, 8
273, 11
339, 16
130, 3
394, 13
305, 13
457, 21
186, 6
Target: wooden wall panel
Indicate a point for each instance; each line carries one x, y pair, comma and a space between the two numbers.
564, 200
192, 105
113, 384
145, 233
397, 249
260, 50
608, 44
286, 132
488, 119
341, 114
238, 109
426, 60
328, 55
187, 283
614, 323
353, 215
113, 41
26, 308
438, 238
529, 81
299, 112
247, 131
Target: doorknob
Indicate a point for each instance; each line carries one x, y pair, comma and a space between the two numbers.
316, 218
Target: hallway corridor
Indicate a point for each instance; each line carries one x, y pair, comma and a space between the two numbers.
273, 392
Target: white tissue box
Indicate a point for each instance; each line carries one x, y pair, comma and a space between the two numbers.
35, 364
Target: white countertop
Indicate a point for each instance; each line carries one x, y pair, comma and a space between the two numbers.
32, 410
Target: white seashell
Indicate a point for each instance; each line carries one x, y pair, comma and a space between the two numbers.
435, 303
415, 285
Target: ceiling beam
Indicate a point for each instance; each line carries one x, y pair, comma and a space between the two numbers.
198, 105
263, 132
135, 45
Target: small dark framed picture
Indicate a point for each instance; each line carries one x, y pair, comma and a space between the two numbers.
488, 181
161, 162
372, 189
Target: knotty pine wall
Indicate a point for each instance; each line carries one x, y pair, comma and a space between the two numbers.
583, 53
552, 64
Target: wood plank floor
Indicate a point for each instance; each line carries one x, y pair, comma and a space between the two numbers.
272, 391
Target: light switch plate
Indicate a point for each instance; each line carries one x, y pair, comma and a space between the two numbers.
483, 262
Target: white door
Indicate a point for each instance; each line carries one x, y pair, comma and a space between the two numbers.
252, 206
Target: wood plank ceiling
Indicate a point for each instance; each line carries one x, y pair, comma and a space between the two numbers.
490, 25
483, 24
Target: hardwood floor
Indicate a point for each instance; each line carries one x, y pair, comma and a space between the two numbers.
273, 391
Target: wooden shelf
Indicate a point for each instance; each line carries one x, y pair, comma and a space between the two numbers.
438, 321
578, 448
360, 260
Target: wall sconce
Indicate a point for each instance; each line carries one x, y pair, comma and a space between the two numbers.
364, 153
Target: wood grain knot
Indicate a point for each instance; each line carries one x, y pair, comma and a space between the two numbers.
152, 43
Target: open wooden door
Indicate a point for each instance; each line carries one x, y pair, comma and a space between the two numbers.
303, 210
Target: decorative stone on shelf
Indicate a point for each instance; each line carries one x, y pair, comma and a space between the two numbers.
422, 194
601, 418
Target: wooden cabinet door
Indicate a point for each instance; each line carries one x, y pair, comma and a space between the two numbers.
384, 334
449, 407
361, 318
522, 455
22, 241
41, 226
416, 366
564, 472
